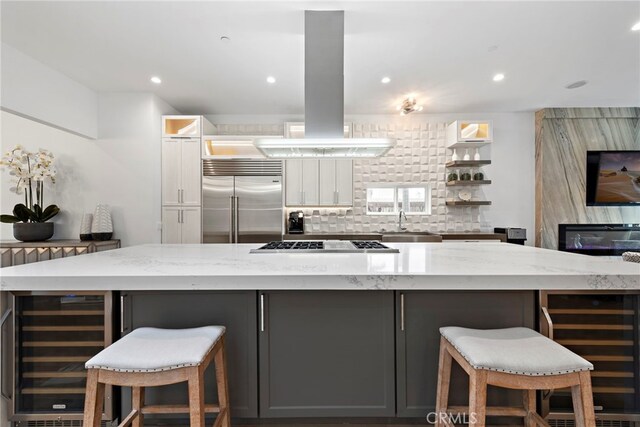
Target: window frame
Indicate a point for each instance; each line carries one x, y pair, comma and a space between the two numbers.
397, 187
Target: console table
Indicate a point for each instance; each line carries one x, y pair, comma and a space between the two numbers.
16, 253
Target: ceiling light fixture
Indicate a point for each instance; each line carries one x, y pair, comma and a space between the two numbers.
225, 39
385, 80
408, 106
576, 85
155, 79
271, 80
636, 27
498, 77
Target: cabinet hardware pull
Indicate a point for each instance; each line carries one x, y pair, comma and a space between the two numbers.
3, 319
182, 195
178, 195
232, 226
122, 314
402, 312
261, 312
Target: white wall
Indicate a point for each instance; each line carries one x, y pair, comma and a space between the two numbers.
512, 170
31, 89
121, 168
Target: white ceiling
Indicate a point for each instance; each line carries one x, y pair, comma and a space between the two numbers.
440, 51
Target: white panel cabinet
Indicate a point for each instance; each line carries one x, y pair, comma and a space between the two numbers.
181, 225
181, 171
322, 182
191, 172
301, 181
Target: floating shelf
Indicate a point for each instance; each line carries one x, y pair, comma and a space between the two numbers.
468, 144
467, 163
469, 203
461, 183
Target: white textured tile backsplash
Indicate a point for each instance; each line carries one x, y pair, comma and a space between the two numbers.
418, 158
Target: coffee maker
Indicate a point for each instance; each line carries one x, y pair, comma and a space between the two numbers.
296, 222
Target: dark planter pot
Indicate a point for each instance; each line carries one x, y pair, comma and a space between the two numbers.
32, 231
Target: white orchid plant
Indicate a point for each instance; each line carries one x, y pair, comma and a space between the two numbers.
29, 172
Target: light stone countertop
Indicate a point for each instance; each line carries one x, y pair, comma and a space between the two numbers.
426, 266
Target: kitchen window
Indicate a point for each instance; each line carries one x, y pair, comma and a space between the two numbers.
391, 199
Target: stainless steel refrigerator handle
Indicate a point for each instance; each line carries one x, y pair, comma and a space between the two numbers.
3, 319
235, 220
261, 312
231, 219
402, 312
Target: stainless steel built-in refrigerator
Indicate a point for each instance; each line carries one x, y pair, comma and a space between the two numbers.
242, 201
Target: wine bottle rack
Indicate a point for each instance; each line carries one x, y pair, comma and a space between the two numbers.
55, 334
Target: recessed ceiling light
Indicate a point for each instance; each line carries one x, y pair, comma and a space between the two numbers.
576, 85
636, 27
492, 48
271, 80
498, 77
155, 79
385, 80
225, 39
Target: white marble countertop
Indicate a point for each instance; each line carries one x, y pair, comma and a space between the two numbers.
447, 265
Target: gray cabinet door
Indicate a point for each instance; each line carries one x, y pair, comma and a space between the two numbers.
326, 354
418, 320
234, 310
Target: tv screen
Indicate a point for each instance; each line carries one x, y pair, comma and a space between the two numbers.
613, 178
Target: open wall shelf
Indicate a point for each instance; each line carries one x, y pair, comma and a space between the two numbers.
467, 163
469, 203
460, 183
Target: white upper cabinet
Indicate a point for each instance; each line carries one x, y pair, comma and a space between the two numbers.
469, 133
317, 182
181, 171
301, 182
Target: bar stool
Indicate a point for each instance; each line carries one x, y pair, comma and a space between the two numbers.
149, 357
516, 358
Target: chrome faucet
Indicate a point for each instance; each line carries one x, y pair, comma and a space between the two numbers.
400, 216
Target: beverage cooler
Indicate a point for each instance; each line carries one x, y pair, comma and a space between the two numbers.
604, 328
52, 335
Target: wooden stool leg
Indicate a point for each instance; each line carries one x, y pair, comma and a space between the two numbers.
444, 377
223, 387
137, 402
529, 397
477, 398
94, 399
582, 397
196, 397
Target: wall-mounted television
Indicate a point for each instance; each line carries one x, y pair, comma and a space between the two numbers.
613, 178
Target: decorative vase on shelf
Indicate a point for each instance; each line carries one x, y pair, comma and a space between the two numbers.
466, 155
102, 226
454, 156
85, 227
476, 156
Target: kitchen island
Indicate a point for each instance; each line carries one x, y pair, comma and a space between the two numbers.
330, 335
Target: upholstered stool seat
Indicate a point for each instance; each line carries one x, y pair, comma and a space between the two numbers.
154, 349
514, 350
149, 357
516, 358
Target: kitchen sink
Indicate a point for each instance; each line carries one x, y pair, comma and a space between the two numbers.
409, 236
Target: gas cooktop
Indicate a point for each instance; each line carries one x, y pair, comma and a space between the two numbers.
324, 246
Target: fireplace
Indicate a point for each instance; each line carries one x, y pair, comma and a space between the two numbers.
599, 239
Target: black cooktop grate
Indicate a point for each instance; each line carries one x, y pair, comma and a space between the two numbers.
293, 245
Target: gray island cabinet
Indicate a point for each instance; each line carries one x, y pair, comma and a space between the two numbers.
340, 335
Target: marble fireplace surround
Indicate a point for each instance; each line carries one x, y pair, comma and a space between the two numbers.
563, 136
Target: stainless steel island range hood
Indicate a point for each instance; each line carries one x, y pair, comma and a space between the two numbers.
324, 98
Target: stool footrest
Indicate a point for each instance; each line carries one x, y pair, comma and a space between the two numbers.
129, 418
175, 409
221, 418
495, 411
